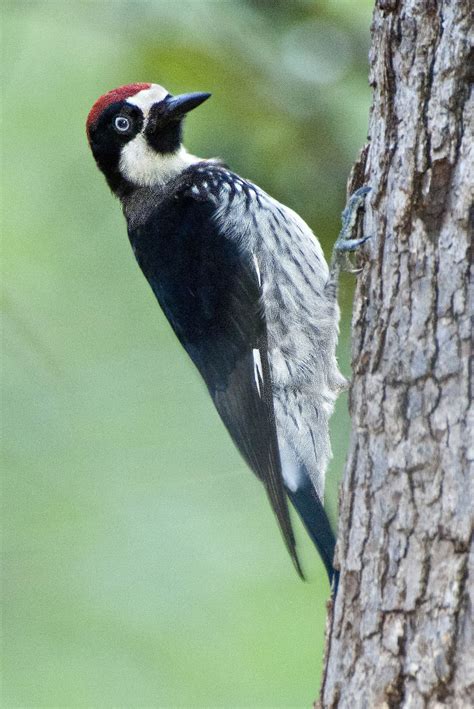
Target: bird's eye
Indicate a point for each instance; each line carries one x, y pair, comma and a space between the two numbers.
121, 124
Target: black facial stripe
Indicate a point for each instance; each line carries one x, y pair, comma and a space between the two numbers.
163, 133
104, 128
107, 142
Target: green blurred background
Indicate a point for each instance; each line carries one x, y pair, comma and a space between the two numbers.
142, 564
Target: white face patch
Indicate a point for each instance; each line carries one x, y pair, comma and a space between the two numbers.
145, 98
144, 167
139, 163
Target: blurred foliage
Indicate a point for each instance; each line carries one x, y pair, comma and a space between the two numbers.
142, 564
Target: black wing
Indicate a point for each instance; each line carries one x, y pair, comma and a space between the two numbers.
209, 290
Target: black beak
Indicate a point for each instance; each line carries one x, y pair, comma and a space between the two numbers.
164, 125
178, 106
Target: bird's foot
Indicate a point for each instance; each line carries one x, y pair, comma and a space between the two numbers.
345, 242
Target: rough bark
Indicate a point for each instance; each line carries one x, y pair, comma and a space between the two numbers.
401, 630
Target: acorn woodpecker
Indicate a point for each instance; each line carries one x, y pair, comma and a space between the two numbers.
245, 286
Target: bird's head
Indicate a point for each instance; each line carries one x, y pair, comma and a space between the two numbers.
135, 134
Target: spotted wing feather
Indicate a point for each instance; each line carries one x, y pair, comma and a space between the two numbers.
209, 290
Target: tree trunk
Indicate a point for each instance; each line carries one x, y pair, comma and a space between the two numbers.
401, 630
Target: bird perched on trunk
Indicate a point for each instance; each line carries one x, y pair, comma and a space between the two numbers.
245, 286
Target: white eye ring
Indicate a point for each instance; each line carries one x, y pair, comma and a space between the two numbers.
121, 124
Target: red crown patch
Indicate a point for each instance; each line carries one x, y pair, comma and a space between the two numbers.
113, 96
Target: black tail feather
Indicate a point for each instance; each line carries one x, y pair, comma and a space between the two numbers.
313, 515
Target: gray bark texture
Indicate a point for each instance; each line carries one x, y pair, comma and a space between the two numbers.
401, 630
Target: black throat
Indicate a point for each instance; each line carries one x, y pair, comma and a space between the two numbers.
163, 132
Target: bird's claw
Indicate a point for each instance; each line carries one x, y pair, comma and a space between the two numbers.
345, 244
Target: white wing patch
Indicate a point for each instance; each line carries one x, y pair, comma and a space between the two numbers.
257, 269
290, 467
257, 370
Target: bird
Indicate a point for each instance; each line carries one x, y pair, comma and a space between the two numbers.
245, 286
